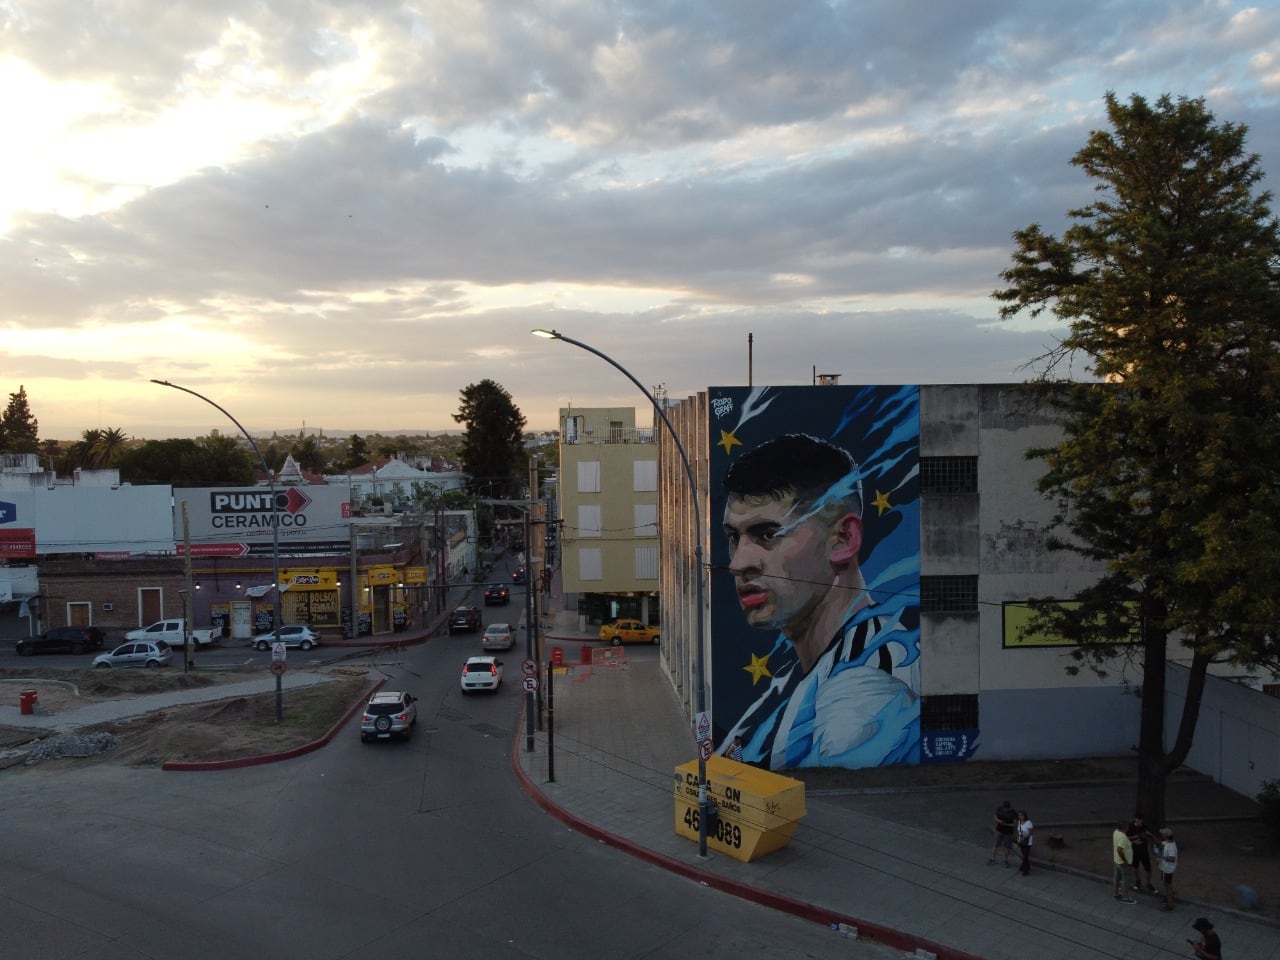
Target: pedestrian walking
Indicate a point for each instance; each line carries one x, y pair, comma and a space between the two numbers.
1208, 947
1139, 839
1026, 836
1005, 823
1122, 857
1167, 857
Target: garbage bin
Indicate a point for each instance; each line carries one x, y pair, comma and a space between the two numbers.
756, 812
27, 701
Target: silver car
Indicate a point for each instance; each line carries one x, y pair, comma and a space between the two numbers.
391, 713
135, 654
291, 635
497, 636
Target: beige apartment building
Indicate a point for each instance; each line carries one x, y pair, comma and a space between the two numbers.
609, 508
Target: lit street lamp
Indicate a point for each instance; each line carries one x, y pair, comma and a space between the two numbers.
700, 699
275, 524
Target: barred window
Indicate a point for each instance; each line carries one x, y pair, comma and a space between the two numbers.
948, 474
953, 711
948, 594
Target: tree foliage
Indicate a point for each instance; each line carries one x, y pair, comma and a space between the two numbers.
493, 444
19, 429
1166, 471
183, 462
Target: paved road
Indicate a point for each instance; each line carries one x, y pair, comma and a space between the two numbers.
426, 848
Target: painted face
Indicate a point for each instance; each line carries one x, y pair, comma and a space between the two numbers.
780, 565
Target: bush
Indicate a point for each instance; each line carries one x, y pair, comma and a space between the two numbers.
1269, 798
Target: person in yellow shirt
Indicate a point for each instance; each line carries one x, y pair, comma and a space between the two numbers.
1122, 856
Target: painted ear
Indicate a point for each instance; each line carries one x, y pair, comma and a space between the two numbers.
847, 539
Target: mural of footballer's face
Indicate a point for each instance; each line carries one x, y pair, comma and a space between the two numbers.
780, 563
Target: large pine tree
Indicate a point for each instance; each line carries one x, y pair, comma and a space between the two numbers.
19, 429
493, 452
1167, 470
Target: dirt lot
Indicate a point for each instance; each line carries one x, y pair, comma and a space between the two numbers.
218, 730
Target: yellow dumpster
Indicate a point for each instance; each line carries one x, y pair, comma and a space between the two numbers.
758, 810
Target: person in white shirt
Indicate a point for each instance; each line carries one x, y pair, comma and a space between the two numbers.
1167, 857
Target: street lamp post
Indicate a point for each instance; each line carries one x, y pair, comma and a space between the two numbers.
530, 720
275, 524
700, 697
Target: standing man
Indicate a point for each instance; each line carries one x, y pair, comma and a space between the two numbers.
1122, 855
793, 520
1208, 947
1026, 836
1168, 854
1140, 839
1005, 819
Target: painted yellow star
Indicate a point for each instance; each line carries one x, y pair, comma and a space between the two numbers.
881, 503
728, 441
759, 668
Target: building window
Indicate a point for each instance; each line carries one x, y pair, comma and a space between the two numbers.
644, 476
953, 711
589, 520
646, 563
588, 476
646, 519
590, 564
948, 474
948, 594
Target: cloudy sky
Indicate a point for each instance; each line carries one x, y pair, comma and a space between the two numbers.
342, 213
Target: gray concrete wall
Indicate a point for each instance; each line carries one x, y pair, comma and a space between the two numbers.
1237, 739
1101, 721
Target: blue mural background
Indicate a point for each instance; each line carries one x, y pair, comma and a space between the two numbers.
880, 427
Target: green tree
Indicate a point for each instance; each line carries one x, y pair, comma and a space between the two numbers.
493, 443
1166, 473
19, 429
357, 453
309, 456
183, 462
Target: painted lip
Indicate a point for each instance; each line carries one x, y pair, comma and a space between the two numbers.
752, 597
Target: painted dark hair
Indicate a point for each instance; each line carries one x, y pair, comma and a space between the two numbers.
798, 464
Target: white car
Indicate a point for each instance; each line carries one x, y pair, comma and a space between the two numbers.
481, 673
138, 654
497, 636
291, 635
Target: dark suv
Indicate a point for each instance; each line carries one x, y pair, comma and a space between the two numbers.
465, 618
497, 594
62, 640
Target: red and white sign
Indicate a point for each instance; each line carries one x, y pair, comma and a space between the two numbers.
214, 549
704, 748
530, 684
17, 542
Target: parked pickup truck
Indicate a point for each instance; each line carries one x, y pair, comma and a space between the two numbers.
173, 632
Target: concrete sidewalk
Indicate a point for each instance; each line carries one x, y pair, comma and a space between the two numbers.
605, 761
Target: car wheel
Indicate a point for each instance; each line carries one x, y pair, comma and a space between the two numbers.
77, 647
364, 738
616, 641
103, 666
152, 663
382, 724
262, 645
656, 639
306, 645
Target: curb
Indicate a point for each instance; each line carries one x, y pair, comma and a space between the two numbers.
202, 766
871, 932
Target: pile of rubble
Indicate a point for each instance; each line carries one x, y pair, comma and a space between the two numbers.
71, 745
